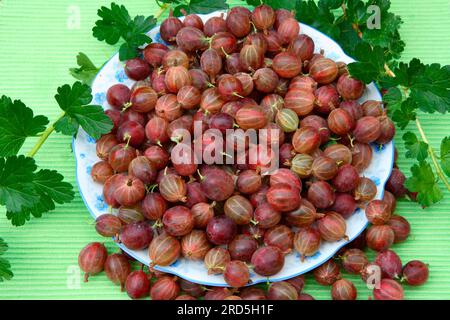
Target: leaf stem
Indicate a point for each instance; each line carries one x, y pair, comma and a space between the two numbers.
388, 70
432, 155
163, 9
436, 165
43, 137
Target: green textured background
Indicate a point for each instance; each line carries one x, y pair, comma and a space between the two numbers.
37, 48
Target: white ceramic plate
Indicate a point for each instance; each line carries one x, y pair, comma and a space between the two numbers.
91, 192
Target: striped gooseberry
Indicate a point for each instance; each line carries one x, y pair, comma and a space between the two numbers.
327, 273
287, 65
195, 245
287, 119
216, 259
267, 261
306, 139
178, 221
377, 212
284, 198
303, 47
307, 242
300, 101
164, 250
332, 227
117, 269
236, 274
92, 259
350, 88
324, 71
242, 247
304, 216
380, 237
263, 17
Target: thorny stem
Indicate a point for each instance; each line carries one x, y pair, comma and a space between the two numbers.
432, 155
44, 137
436, 165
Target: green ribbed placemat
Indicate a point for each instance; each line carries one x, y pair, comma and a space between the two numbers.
37, 48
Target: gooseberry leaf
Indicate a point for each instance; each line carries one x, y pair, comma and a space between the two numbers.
393, 100
445, 155
423, 181
275, 4
16, 187
73, 100
405, 114
416, 149
431, 88
5, 266
317, 16
25, 192
370, 63
429, 85
51, 188
206, 6
380, 33
116, 23
17, 122
86, 72
3, 246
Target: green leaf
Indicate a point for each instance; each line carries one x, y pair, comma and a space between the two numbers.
25, 192
78, 95
349, 38
332, 4
73, 100
424, 183
17, 122
360, 14
5, 267
393, 100
431, 88
5, 270
253, 3
416, 149
16, 187
113, 21
116, 23
445, 155
370, 65
92, 119
405, 114
50, 183
3, 246
126, 52
389, 25
429, 85
207, 6
319, 17
86, 72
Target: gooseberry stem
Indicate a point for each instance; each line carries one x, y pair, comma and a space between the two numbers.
436, 165
432, 154
163, 9
44, 137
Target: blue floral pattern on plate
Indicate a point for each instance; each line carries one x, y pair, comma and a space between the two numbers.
100, 203
100, 98
195, 271
121, 76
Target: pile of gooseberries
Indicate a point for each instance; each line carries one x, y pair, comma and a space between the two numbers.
251, 70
